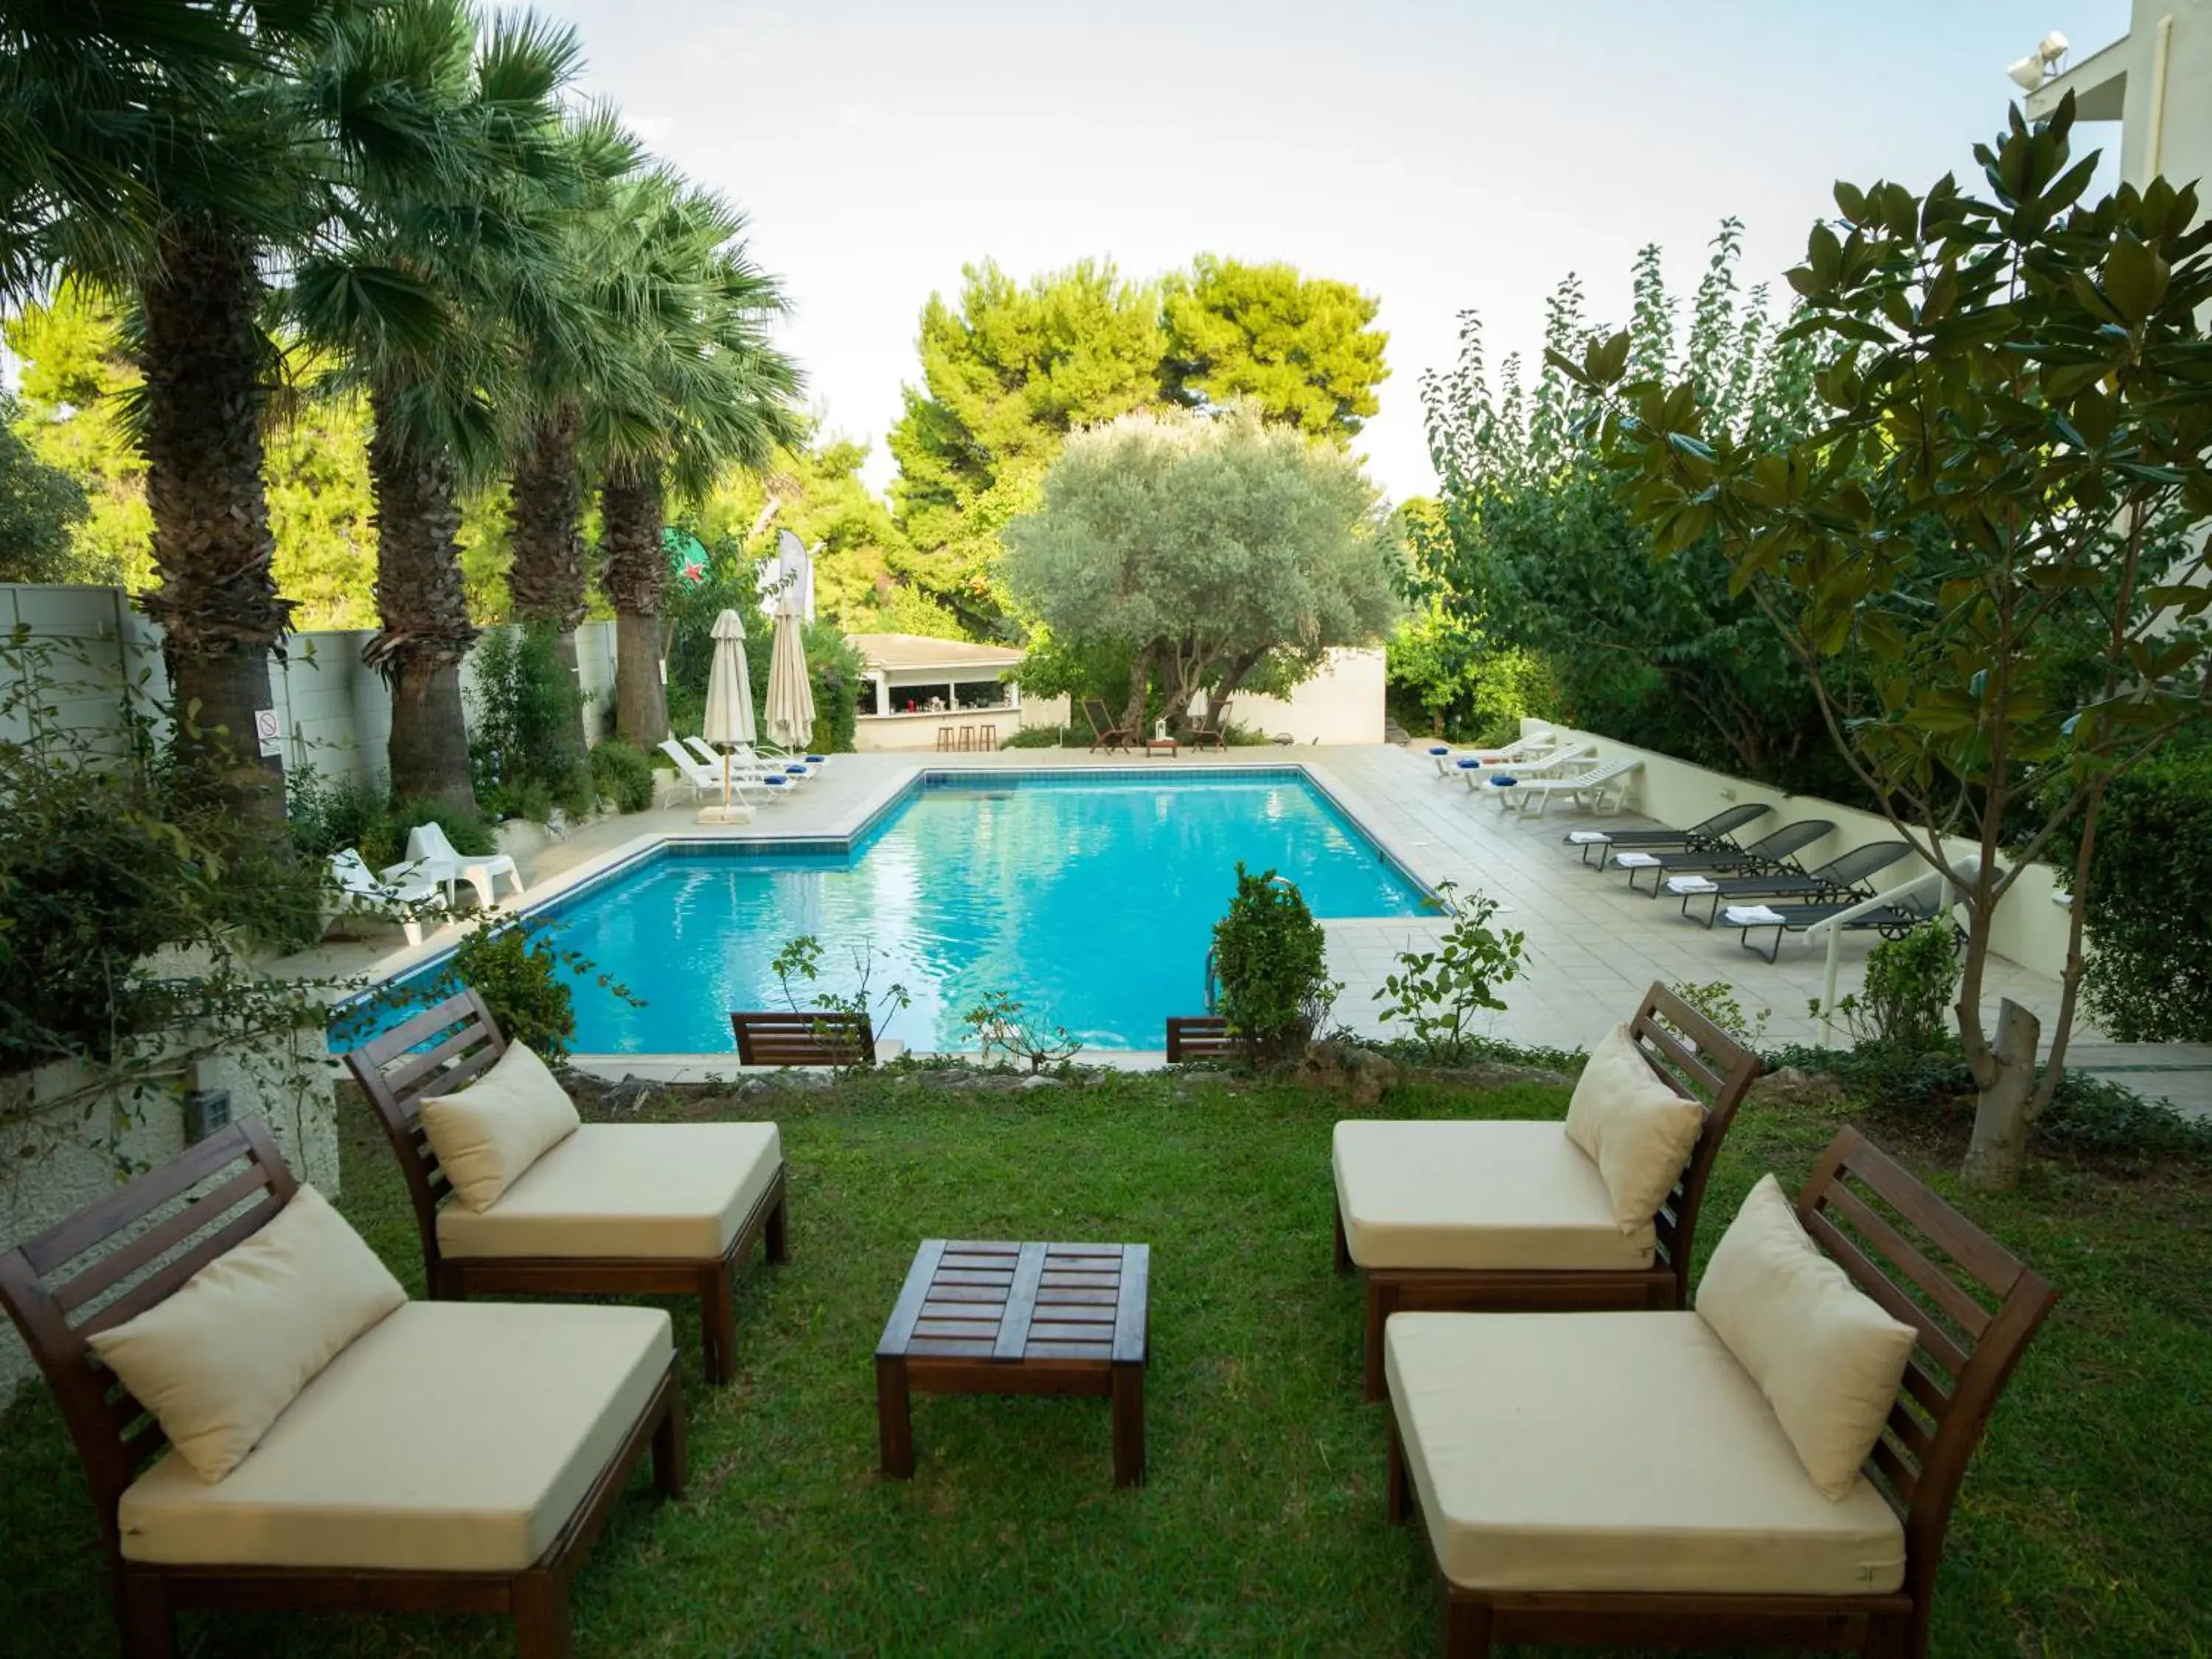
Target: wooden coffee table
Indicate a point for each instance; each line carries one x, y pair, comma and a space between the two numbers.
1169, 746
991, 1317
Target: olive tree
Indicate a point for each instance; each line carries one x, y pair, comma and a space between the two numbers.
1213, 550
1995, 518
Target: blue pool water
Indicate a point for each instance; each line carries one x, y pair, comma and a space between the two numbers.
1092, 900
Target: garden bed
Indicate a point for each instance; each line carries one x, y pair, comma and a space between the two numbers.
2085, 1527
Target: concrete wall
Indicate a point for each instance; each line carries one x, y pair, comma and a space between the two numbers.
332, 708
2120, 81
2029, 928
1341, 703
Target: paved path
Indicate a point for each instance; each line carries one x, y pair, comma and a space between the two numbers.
2179, 1073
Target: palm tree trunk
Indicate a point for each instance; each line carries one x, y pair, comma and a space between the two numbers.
545, 528
637, 570
217, 605
424, 610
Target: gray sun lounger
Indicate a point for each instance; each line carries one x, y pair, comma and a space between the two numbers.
1710, 834
1777, 853
1843, 878
1892, 920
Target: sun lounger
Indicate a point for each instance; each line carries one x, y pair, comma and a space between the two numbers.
1892, 920
1840, 879
1707, 835
1479, 770
443, 1458
433, 857
1446, 1213
401, 893
1776, 853
1629, 1480
747, 783
1521, 751
1590, 789
609, 1209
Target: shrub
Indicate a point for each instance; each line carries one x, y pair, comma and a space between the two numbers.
525, 751
2149, 902
517, 970
1271, 958
1716, 1001
1439, 992
623, 774
328, 815
1003, 1023
1051, 737
1909, 982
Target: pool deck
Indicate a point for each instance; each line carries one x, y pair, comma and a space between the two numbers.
1592, 947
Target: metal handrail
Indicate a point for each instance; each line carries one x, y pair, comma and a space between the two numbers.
1833, 927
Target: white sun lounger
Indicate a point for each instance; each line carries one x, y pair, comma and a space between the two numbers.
1590, 790
1541, 765
434, 857
750, 762
1521, 751
747, 783
401, 891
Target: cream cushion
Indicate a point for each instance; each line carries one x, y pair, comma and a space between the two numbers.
1639, 1131
678, 1190
1477, 1195
456, 1436
1616, 1451
219, 1361
491, 1132
1826, 1356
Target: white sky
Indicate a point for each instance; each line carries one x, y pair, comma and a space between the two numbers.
1441, 156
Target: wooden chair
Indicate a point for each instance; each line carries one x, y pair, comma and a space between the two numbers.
1694, 1057
813, 1037
1975, 1312
1104, 734
1199, 1036
144, 1240
441, 1048
1203, 737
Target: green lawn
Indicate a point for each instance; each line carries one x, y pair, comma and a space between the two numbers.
2084, 1528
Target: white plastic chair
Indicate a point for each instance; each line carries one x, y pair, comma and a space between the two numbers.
402, 892
433, 856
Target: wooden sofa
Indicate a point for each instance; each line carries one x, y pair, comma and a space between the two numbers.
455, 1501
642, 1209
1619, 1479
1479, 1215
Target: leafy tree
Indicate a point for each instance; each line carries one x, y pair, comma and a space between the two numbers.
75, 374
1007, 375
1302, 348
1209, 550
40, 507
2017, 441
1667, 654
1444, 674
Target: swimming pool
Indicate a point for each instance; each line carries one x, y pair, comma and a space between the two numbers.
1090, 897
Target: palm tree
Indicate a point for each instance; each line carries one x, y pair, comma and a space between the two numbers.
432, 299
175, 152
707, 392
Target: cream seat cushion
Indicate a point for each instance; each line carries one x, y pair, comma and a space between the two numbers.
1639, 1131
219, 1361
1477, 1195
456, 1436
488, 1135
1617, 1452
1826, 1355
663, 1190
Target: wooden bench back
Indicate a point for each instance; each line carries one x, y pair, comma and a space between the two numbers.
1701, 1062
1199, 1036
113, 1260
433, 1053
1975, 1305
810, 1038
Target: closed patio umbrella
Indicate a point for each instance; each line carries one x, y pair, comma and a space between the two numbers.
790, 688
729, 718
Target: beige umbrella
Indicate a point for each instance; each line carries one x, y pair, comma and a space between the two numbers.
790, 688
729, 718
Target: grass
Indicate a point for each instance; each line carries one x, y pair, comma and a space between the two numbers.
2085, 1527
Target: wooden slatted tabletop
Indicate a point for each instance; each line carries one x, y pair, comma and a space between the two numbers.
985, 1316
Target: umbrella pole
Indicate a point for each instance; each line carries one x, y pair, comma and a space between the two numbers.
726, 785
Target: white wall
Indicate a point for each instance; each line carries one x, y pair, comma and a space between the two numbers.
2028, 929
1341, 703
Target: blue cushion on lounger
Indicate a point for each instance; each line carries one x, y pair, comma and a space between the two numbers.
796, 769
1470, 766
1438, 749
1503, 782
816, 759
776, 780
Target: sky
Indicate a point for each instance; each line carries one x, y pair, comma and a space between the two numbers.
1444, 157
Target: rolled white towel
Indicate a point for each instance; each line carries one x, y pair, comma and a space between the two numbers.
1588, 837
1752, 916
1635, 860
1684, 885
